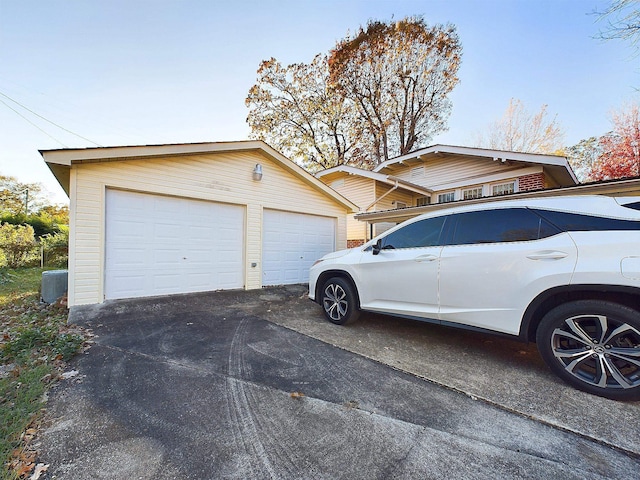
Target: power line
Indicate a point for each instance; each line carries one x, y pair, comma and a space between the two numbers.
46, 120
29, 121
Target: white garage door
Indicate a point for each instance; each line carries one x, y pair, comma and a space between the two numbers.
159, 245
291, 243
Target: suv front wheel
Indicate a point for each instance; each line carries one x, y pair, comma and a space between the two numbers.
339, 301
595, 346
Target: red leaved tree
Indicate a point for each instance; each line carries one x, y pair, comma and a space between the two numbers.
620, 157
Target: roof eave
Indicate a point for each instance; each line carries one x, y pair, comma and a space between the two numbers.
61, 160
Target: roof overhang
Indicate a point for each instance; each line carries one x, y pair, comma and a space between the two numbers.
625, 187
557, 166
60, 161
379, 177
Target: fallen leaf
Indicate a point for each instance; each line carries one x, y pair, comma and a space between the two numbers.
39, 470
69, 374
297, 395
23, 469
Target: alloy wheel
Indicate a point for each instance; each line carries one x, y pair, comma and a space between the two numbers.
599, 350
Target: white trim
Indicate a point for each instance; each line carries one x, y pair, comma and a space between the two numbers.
379, 177
73, 200
472, 188
493, 186
501, 155
71, 156
442, 194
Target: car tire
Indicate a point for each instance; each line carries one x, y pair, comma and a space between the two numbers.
593, 345
339, 301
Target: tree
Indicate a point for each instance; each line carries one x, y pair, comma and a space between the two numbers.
583, 156
622, 21
379, 94
521, 131
295, 109
620, 155
55, 214
17, 197
399, 75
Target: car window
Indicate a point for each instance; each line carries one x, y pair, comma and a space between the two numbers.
498, 226
424, 233
573, 222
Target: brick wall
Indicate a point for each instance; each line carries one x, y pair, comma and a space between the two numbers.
354, 243
534, 181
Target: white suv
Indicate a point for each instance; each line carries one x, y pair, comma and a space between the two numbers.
561, 271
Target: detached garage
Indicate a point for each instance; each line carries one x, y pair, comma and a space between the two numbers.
166, 219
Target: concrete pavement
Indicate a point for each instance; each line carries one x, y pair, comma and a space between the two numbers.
208, 386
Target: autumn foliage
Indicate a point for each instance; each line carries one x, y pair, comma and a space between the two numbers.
620, 149
519, 130
380, 93
399, 75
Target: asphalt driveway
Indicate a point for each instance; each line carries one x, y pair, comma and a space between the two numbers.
208, 386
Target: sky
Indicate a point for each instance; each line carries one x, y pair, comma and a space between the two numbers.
139, 72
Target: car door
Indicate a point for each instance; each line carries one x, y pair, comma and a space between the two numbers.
402, 278
496, 262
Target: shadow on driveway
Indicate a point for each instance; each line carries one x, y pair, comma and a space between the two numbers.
208, 386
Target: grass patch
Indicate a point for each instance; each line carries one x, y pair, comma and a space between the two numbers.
35, 341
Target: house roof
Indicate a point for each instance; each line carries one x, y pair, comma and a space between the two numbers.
60, 161
618, 187
380, 177
558, 166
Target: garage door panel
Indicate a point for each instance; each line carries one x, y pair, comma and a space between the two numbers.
159, 245
291, 243
125, 257
129, 230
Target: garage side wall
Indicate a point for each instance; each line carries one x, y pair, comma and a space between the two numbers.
219, 177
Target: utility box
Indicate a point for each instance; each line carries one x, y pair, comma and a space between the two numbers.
54, 285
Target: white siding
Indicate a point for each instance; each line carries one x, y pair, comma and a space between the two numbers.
447, 170
219, 177
360, 191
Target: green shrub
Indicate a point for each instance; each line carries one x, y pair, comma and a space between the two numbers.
18, 245
55, 248
42, 224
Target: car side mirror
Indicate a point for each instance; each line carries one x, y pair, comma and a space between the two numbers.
376, 247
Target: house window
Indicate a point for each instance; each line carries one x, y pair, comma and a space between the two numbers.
504, 188
446, 197
401, 204
470, 193
422, 201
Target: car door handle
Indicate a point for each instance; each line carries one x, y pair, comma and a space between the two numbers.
426, 258
548, 255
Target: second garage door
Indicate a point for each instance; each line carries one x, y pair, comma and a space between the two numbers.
291, 243
158, 245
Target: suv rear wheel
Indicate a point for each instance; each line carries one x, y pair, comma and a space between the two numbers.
339, 301
595, 346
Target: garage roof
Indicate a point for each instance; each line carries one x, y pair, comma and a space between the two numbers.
60, 161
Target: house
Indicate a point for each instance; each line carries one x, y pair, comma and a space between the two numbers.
371, 191
163, 219
626, 187
440, 174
